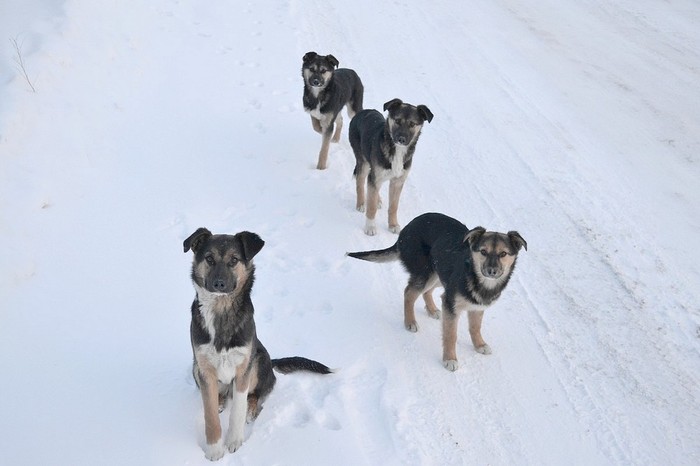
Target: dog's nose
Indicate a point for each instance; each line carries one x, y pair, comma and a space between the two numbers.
492, 272
402, 140
315, 82
219, 284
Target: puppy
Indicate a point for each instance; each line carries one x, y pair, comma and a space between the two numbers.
472, 265
229, 360
384, 151
326, 91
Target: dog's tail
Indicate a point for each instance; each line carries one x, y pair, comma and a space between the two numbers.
297, 363
380, 255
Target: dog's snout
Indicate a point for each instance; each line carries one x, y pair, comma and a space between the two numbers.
316, 82
491, 272
403, 140
219, 285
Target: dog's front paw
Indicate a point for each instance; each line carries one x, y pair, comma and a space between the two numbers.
215, 451
411, 327
450, 364
233, 443
395, 229
370, 228
485, 349
360, 208
435, 313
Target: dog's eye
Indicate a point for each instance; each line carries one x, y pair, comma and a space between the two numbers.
484, 252
210, 260
503, 254
233, 262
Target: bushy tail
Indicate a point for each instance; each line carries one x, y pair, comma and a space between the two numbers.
379, 255
297, 363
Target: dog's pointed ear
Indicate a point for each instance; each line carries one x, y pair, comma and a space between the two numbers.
195, 240
425, 113
332, 60
517, 241
392, 104
473, 235
309, 56
252, 244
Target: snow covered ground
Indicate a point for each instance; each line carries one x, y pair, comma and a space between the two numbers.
576, 123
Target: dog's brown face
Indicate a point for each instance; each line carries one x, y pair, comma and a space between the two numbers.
406, 121
493, 253
318, 69
222, 263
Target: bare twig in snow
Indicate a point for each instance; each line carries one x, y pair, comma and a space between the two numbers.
20, 62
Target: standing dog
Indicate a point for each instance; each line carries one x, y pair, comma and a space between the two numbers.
229, 360
384, 151
326, 91
473, 266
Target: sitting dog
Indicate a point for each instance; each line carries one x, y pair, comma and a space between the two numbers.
229, 360
473, 266
384, 151
326, 91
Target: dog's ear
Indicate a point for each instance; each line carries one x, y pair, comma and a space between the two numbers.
425, 113
393, 103
332, 60
309, 56
251, 243
195, 240
517, 241
472, 237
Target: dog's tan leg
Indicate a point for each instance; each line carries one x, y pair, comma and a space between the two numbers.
450, 319
360, 182
395, 187
209, 389
239, 408
371, 209
430, 306
475, 318
338, 128
325, 145
410, 295
316, 124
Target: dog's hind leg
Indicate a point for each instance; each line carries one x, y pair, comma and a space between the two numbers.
410, 295
338, 128
430, 306
361, 172
371, 206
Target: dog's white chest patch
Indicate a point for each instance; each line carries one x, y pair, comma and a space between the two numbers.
225, 361
397, 161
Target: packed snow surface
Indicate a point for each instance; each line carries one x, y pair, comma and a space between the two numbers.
575, 123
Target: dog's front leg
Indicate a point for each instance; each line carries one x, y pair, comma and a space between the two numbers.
395, 188
214, 449
326, 134
239, 409
475, 318
316, 124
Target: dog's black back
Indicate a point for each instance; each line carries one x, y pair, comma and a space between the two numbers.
334, 87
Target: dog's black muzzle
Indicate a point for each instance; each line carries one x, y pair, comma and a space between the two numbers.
402, 138
317, 81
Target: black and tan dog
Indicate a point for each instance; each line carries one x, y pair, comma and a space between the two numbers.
473, 266
326, 91
384, 151
229, 360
